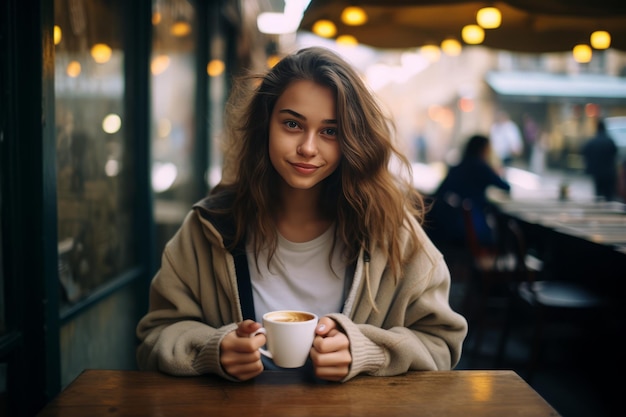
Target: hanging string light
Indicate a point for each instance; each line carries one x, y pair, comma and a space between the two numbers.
346, 40
181, 13
431, 52
101, 53
353, 16
600, 39
489, 17
180, 28
325, 28
73, 69
58, 34
582, 53
473, 34
451, 47
215, 67
159, 64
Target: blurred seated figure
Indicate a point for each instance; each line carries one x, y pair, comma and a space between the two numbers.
600, 155
468, 180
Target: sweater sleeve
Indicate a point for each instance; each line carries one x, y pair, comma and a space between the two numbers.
492, 178
175, 335
415, 328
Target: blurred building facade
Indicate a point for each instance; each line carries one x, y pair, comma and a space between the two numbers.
445, 100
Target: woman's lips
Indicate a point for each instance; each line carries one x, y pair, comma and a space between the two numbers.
305, 168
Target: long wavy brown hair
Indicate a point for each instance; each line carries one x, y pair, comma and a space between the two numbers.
368, 201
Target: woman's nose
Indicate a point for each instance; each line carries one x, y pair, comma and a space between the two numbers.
308, 146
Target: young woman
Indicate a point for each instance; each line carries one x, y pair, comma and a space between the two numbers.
312, 219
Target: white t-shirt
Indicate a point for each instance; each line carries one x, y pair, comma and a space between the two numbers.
299, 277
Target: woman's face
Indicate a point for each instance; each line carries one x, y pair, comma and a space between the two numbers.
303, 143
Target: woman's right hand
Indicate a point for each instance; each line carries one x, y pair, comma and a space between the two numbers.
239, 353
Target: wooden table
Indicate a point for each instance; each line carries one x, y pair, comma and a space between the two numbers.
274, 394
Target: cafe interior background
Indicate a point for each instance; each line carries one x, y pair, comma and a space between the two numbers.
112, 112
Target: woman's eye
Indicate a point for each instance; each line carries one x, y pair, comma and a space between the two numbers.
330, 131
291, 124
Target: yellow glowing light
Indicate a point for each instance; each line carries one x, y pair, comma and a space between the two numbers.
156, 18
159, 64
582, 53
272, 60
215, 67
347, 40
58, 34
73, 69
600, 39
473, 34
451, 47
431, 52
101, 53
325, 28
353, 16
180, 29
489, 17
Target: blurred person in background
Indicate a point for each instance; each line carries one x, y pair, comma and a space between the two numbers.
536, 144
600, 156
506, 138
467, 180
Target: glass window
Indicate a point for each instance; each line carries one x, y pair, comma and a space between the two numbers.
173, 120
94, 157
216, 69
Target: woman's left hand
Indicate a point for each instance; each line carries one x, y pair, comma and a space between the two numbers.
331, 351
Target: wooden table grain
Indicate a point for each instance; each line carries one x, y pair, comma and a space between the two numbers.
274, 394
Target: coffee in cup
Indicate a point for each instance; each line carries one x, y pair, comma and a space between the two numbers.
290, 335
289, 316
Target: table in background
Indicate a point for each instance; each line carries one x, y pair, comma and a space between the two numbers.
579, 240
274, 393
603, 223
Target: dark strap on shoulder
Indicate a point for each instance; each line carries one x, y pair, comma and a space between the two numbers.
207, 207
244, 284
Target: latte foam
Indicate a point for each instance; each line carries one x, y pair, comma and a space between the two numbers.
289, 316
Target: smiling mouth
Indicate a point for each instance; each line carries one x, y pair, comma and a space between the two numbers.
305, 168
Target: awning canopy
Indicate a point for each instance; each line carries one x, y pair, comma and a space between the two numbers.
543, 85
534, 26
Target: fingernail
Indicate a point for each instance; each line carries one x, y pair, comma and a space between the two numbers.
321, 327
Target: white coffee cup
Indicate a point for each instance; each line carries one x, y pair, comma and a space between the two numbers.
290, 335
